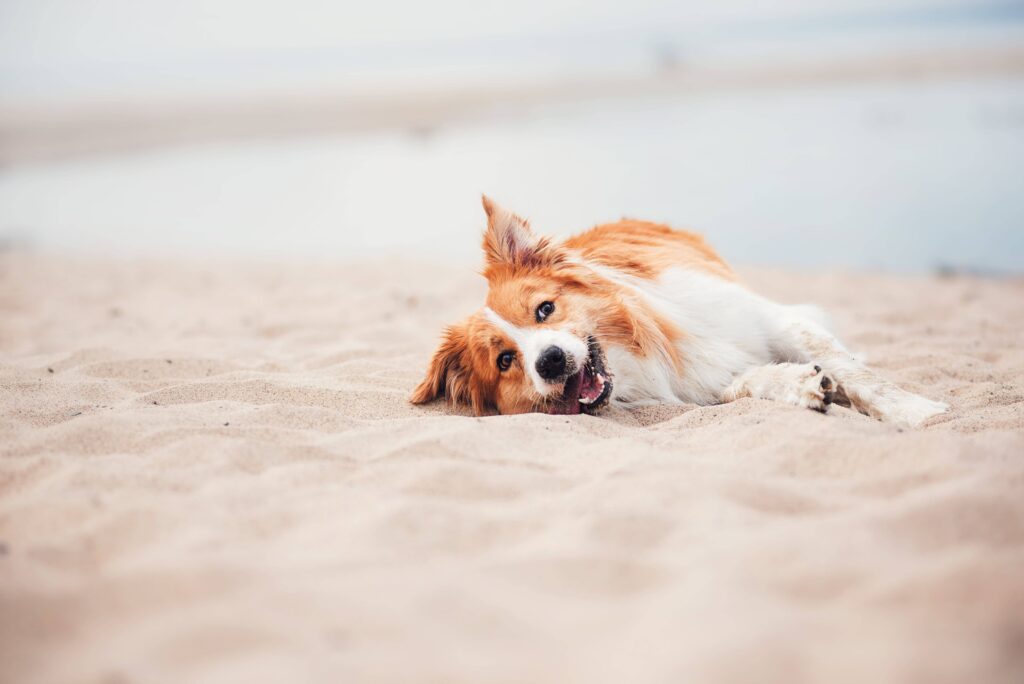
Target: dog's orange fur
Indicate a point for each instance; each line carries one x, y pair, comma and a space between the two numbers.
644, 249
520, 277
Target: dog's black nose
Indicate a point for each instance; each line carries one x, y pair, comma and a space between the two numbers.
551, 363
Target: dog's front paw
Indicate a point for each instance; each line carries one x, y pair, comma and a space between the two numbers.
815, 388
798, 384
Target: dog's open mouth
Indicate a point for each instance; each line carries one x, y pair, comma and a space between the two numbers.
588, 389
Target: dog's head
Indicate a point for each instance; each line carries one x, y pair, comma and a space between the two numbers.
537, 343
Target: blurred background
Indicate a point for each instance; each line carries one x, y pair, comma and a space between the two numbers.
855, 134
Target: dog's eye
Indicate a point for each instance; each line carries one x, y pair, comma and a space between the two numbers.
545, 310
505, 360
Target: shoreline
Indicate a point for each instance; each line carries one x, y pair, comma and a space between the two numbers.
55, 131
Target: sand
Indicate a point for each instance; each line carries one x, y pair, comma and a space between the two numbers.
209, 473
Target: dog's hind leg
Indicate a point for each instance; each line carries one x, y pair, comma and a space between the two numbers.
802, 338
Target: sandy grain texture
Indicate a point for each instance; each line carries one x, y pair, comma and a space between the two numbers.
209, 473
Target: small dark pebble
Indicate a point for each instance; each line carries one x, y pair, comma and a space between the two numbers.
155, 404
76, 413
3, 549
168, 361
49, 370
226, 424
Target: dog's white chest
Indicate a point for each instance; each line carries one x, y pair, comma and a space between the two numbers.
727, 329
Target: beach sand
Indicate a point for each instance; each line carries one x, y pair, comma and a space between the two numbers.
209, 473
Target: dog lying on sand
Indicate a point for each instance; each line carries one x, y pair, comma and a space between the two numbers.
638, 313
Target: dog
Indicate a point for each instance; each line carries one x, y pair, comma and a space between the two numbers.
636, 313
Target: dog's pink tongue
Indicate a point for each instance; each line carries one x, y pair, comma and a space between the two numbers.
570, 402
591, 387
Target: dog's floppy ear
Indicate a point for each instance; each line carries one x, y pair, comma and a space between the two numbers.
509, 240
448, 373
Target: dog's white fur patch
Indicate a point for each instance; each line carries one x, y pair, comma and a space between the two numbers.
532, 341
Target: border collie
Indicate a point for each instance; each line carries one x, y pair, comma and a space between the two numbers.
638, 313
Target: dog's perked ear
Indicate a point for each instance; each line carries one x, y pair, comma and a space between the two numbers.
509, 240
448, 373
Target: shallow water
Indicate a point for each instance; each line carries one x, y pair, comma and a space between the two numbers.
902, 177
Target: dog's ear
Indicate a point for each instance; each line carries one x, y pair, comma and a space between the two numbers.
509, 240
448, 373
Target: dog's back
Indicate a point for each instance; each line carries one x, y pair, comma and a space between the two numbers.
644, 250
